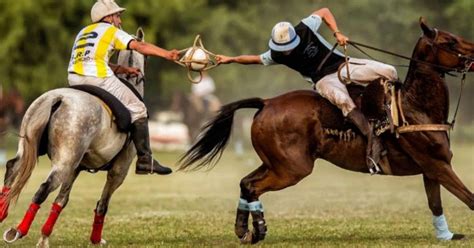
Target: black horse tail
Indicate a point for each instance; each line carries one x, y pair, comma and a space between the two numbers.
215, 135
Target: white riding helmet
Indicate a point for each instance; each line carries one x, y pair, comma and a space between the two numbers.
103, 8
284, 37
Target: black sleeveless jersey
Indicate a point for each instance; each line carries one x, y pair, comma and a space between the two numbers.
307, 56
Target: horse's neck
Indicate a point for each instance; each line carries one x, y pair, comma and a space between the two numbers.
426, 91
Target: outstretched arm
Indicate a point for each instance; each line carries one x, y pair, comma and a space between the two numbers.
152, 50
330, 21
242, 59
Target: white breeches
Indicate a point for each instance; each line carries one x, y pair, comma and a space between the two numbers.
115, 87
363, 71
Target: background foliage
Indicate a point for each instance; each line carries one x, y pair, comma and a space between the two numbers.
37, 36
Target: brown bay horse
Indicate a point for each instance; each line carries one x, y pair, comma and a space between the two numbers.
288, 135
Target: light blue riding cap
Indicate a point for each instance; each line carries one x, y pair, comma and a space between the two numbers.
284, 37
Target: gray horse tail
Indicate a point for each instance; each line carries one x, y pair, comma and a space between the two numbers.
34, 123
215, 135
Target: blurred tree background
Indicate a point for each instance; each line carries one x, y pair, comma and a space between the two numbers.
37, 36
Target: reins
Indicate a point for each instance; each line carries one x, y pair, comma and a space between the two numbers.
444, 68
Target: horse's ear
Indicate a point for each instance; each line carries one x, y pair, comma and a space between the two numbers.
429, 32
140, 34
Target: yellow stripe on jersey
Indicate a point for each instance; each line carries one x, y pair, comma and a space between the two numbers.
102, 51
119, 45
79, 66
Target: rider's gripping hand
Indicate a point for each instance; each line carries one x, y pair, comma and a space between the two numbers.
131, 71
172, 55
221, 59
341, 39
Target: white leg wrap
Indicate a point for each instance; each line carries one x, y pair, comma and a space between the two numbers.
243, 204
441, 227
256, 206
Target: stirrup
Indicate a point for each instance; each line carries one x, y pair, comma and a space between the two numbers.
374, 169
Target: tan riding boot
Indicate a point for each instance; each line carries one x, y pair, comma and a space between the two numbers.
374, 145
145, 162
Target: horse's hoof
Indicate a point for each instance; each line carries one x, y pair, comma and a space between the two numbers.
11, 235
457, 236
102, 242
247, 238
43, 242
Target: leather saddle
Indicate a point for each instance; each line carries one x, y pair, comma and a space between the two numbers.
376, 102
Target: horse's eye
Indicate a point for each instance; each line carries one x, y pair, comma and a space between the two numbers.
452, 44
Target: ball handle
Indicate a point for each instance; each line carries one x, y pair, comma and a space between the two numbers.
187, 61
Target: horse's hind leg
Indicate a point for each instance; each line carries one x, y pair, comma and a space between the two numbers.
55, 178
432, 188
243, 211
115, 177
266, 178
58, 205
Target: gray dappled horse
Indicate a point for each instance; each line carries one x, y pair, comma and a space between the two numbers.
80, 135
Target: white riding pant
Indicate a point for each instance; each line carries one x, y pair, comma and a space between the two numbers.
364, 71
114, 86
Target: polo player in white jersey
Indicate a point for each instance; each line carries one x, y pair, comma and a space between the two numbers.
89, 64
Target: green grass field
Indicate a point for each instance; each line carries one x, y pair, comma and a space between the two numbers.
330, 208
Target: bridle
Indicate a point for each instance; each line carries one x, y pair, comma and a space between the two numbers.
141, 78
435, 46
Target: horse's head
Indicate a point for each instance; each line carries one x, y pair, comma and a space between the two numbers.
135, 59
448, 51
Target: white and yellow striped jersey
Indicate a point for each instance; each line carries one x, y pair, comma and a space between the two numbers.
93, 47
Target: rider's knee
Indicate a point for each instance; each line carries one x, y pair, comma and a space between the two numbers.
391, 73
138, 113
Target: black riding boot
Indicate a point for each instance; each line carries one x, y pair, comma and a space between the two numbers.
374, 145
145, 162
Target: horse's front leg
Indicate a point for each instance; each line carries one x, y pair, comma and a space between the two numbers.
435, 161
115, 178
58, 205
432, 188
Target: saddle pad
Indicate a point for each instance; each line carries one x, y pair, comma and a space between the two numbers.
120, 112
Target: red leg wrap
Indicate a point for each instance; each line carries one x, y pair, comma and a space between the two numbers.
3, 204
53, 216
96, 235
30, 214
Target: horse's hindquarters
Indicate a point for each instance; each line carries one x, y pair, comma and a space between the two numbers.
82, 127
